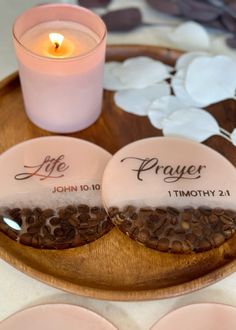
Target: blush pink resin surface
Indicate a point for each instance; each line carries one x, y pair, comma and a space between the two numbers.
61, 94
56, 317
203, 316
166, 171
53, 171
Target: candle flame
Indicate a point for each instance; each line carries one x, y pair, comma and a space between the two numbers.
56, 39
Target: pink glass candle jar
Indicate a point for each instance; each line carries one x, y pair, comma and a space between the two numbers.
60, 51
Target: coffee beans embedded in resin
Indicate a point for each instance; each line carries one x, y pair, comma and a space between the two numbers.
177, 231
55, 229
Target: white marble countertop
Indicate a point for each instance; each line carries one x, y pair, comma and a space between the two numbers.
17, 290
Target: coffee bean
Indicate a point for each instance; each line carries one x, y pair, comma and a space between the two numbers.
170, 232
129, 211
205, 210
74, 221
48, 213
15, 212
127, 223
84, 225
213, 218
160, 211
113, 211
207, 231
218, 211
95, 209
197, 230
26, 212
30, 220
186, 216
186, 247
197, 214
230, 213
172, 210
206, 220
163, 244
13, 234
33, 229
106, 225
177, 246
226, 219
55, 221
134, 232
159, 222
218, 239
119, 218
70, 233
36, 241
83, 217
47, 231
152, 243
143, 235
71, 209
83, 208
26, 239
203, 245
58, 232
37, 211
64, 214
191, 237
154, 218
134, 216
100, 216
41, 219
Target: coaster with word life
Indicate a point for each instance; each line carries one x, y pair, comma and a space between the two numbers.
52, 192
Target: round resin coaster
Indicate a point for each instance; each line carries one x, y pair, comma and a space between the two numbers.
198, 317
56, 317
171, 194
50, 195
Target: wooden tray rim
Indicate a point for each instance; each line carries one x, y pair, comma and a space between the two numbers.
122, 295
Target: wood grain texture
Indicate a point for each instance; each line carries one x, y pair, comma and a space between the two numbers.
115, 267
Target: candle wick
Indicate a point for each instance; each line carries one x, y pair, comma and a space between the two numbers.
56, 45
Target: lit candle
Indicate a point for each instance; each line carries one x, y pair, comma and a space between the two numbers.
61, 50
69, 39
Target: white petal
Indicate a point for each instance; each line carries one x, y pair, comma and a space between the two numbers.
140, 72
233, 137
162, 108
137, 101
195, 124
210, 80
178, 85
11, 223
185, 59
190, 36
110, 81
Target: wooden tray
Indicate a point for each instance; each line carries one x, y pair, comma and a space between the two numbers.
115, 267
